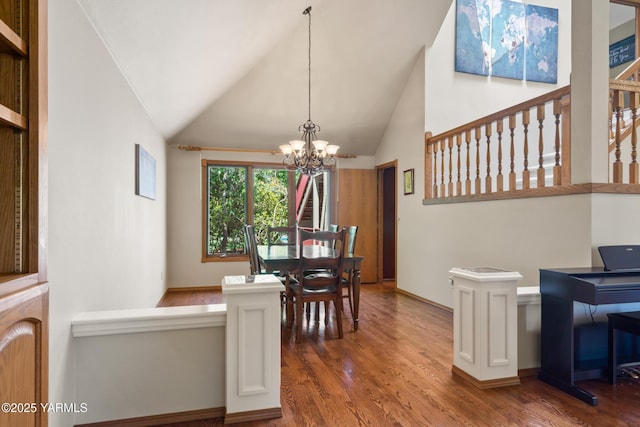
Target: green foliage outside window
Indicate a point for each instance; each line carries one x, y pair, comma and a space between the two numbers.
270, 197
228, 211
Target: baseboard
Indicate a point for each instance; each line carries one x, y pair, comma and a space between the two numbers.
196, 288
499, 382
529, 372
419, 298
158, 420
261, 414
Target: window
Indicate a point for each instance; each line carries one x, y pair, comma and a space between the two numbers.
227, 209
264, 195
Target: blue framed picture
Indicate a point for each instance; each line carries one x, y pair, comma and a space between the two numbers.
145, 173
505, 38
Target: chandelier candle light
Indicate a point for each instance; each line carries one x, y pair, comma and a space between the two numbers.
309, 155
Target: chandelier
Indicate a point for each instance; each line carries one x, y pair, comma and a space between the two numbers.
308, 154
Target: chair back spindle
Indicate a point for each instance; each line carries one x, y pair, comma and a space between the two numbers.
252, 249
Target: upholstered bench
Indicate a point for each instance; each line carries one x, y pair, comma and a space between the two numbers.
625, 322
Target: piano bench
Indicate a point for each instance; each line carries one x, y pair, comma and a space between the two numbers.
625, 322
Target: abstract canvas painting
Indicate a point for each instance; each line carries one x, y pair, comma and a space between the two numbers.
505, 38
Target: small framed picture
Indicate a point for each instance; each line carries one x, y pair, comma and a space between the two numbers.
408, 182
145, 173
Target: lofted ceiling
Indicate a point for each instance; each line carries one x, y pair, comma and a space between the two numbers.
234, 73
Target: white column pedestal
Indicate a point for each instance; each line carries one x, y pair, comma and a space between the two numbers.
485, 326
252, 347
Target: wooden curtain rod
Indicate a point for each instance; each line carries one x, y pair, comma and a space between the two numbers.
245, 150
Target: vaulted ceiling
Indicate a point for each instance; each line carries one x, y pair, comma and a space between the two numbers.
234, 73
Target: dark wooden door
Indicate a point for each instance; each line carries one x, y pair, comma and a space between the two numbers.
389, 223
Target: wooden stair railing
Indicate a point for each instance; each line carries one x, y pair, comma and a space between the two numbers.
631, 73
624, 96
479, 146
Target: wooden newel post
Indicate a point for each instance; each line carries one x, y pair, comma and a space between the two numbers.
428, 167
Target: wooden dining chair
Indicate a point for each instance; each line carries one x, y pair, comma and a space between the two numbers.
252, 249
347, 279
334, 228
275, 236
319, 277
254, 260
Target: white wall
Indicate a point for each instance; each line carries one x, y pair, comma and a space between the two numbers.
453, 99
404, 141
141, 374
184, 215
107, 246
614, 221
521, 235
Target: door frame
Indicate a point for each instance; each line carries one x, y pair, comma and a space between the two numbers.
380, 170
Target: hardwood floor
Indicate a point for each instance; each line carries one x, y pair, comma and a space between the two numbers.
396, 370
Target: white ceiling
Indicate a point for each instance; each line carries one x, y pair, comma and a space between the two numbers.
233, 73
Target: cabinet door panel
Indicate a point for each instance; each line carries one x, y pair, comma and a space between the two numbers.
23, 357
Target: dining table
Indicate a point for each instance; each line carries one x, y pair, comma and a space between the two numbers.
286, 259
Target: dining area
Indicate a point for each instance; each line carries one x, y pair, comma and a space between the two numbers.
318, 268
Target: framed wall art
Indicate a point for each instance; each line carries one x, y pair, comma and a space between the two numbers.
505, 38
145, 173
408, 182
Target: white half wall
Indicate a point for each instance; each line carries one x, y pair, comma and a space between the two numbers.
146, 362
107, 246
521, 235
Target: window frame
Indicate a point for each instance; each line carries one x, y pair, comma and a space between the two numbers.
250, 166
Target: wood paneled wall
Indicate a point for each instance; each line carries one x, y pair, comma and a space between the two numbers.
357, 205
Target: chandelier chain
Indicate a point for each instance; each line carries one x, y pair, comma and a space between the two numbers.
309, 55
309, 155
